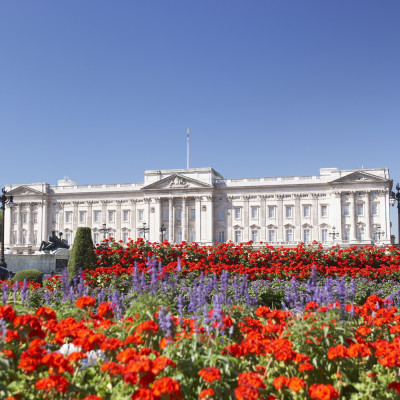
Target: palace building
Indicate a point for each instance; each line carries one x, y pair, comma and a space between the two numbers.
199, 205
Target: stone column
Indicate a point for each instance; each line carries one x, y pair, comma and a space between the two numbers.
29, 229
61, 218
367, 211
198, 218
89, 220
314, 219
263, 220
210, 220
229, 211
19, 223
353, 233
279, 212
335, 214
7, 226
297, 218
146, 214
134, 233
184, 220
75, 217
382, 213
157, 219
171, 219
246, 223
118, 219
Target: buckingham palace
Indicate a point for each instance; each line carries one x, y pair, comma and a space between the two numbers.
200, 205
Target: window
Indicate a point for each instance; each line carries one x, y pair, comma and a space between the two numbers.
96, 238
289, 235
288, 212
15, 218
307, 235
179, 237
360, 209
111, 216
126, 237
141, 235
126, 216
192, 236
166, 235
346, 234
54, 218
271, 235
82, 216
35, 218
254, 236
221, 236
324, 211
374, 209
237, 213
271, 212
111, 234
254, 212
179, 214
166, 215
97, 216
306, 211
68, 238
360, 233
221, 213
346, 210
14, 238
324, 233
374, 234
24, 238
68, 217
25, 218
140, 215
35, 238
192, 214
238, 236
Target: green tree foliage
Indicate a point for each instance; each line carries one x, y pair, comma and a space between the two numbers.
82, 255
31, 275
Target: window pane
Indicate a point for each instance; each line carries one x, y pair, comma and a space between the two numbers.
125, 237
324, 235
35, 238
126, 216
254, 212
96, 216
179, 237
346, 234
166, 215
82, 217
237, 213
111, 216
360, 233
254, 236
25, 218
178, 214
271, 211
271, 235
221, 236
15, 218
54, 218
346, 209
140, 215
289, 235
324, 211
288, 212
192, 214
306, 235
35, 218
192, 236
221, 214
374, 209
360, 209
15, 238
238, 236
306, 211
68, 238
96, 238
24, 238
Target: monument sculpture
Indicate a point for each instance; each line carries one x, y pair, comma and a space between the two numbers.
54, 242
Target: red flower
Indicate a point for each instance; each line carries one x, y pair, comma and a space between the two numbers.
206, 392
210, 374
148, 327
305, 367
295, 384
395, 386
279, 382
85, 302
91, 397
56, 382
167, 386
106, 310
143, 394
46, 313
323, 392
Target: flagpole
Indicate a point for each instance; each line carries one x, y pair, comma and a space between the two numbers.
188, 148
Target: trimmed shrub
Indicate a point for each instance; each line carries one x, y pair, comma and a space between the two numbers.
82, 254
30, 275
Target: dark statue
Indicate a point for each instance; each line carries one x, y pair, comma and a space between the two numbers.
54, 242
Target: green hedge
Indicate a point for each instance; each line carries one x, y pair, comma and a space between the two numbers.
30, 275
82, 254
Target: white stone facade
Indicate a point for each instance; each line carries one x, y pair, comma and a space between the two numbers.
199, 205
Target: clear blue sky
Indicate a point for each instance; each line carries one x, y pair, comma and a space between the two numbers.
102, 90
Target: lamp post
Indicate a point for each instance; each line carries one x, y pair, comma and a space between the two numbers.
378, 234
334, 235
163, 229
144, 229
104, 230
393, 198
4, 200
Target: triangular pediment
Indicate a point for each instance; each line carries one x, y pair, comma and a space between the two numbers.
23, 191
359, 176
176, 181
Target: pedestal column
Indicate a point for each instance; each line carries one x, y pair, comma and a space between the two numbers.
103, 212
7, 226
171, 219
61, 217
198, 218
367, 210
29, 229
75, 217
279, 212
89, 214
335, 214
297, 218
353, 233
19, 224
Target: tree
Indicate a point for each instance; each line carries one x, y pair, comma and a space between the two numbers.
82, 254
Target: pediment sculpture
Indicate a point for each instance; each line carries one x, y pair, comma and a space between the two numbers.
178, 182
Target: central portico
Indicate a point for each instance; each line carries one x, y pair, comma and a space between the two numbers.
182, 199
